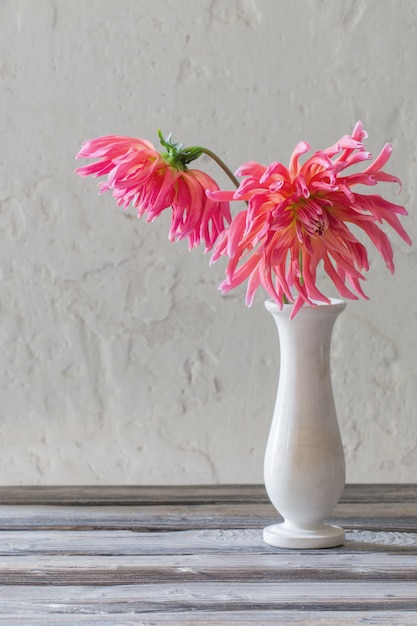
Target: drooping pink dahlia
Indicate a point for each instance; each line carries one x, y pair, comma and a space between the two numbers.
139, 176
299, 217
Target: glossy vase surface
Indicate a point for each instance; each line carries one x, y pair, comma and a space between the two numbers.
304, 468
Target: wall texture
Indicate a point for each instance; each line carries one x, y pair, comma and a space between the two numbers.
120, 362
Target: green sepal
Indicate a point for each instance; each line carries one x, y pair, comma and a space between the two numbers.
176, 155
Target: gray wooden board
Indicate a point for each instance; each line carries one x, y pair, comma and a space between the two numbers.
210, 596
191, 555
204, 568
127, 542
192, 494
390, 517
219, 618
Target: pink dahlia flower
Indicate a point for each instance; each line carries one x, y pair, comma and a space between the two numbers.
138, 175
300, 216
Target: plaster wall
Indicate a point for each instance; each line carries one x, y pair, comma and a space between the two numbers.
120, 362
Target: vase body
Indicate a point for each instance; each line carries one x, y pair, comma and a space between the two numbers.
304, 467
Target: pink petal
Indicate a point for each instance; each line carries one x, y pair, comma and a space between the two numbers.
301, 148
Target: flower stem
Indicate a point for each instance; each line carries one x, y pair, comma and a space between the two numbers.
219, 162
300, 265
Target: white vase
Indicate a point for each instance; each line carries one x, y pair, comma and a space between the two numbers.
304, 466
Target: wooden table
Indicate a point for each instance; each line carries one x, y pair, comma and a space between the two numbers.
195, 556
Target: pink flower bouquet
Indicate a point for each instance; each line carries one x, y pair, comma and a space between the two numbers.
296, 219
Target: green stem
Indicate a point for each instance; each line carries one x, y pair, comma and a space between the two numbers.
300, 265
219, 162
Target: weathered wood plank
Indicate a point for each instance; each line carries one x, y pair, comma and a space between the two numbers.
127, 542
388, 517
183, 569
209, 597
196, 555
379, 493
132, 495
222, 618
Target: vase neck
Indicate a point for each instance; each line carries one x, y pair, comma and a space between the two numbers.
305, 340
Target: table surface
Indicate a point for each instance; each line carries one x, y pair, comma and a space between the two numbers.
195, 556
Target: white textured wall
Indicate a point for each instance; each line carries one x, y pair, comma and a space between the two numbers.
119, 360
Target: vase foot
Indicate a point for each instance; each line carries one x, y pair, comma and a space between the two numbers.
280, 536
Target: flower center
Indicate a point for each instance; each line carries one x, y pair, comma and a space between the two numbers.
311, 217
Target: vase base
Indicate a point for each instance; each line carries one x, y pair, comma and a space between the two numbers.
280, 536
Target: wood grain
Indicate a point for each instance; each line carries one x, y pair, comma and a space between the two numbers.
393, 517
205, 568
221, 618
98, 495
127, 542
211, 596
195, 555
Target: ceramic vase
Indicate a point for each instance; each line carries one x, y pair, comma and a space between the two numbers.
304, 467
